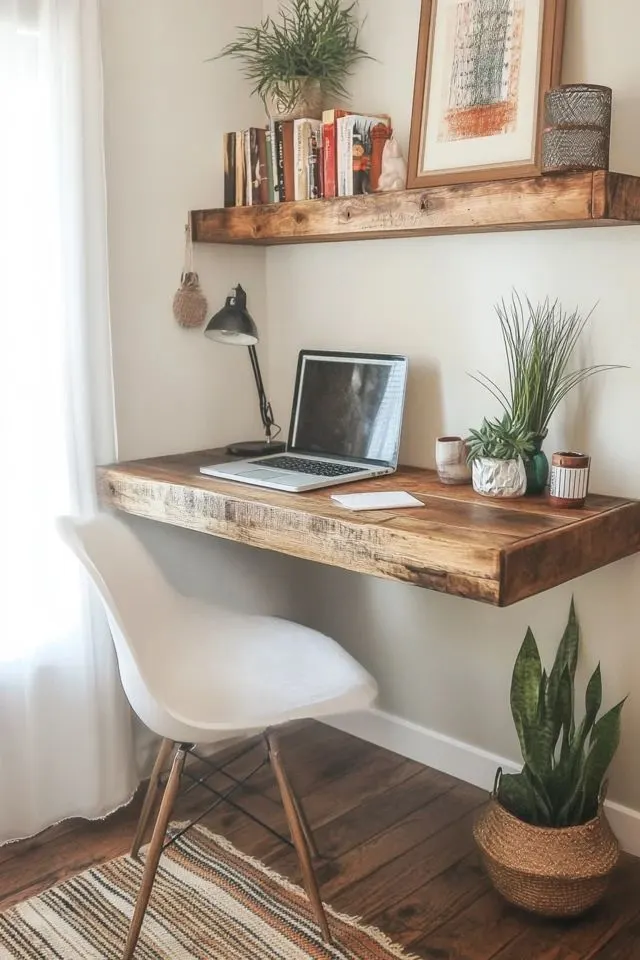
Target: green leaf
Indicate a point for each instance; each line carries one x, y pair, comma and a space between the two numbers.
593, 696
560, 689
566, 654
525, 688
539, 794
542, 700
603, 744
569, 781
587, 774
515, 794
528, 685
563, 712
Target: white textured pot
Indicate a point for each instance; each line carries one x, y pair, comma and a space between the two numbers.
499, 478
304, 99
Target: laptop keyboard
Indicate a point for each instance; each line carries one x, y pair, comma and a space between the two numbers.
319, 468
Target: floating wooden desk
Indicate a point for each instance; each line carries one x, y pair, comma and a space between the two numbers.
459, 542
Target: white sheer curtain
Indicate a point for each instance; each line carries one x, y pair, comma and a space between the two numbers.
66, 745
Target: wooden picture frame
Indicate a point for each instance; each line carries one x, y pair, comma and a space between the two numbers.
468, 134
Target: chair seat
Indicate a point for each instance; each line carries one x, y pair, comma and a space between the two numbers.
194, 672
222, 672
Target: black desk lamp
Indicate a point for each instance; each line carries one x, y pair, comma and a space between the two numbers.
234, 324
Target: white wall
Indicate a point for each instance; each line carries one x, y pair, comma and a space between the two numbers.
440, 661
443, 662
166, 109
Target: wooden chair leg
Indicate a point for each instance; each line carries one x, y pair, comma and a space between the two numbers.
304, 824
162, 759
292, 810
155, 851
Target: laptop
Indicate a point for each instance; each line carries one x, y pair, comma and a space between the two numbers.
345, 424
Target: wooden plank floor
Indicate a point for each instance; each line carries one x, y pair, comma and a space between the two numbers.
397, 850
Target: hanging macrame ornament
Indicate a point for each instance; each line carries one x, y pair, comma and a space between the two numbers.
189, 303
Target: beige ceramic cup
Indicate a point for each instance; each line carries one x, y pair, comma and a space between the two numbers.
451, 460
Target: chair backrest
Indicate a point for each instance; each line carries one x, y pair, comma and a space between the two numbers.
139, 602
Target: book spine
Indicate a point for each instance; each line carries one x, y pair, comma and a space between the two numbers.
246, 139
289, 168
300, 156
240, 174
314, 141
345, 157
280, 160
262, 166
329, 144
320, 164
329, 151
297, 157
274, 161
270, 180
253, 162
229, 169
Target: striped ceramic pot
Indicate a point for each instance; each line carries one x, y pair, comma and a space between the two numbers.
569, 481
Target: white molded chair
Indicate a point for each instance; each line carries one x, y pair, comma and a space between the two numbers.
195, 674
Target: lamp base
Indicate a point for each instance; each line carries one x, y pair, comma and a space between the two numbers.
255, 448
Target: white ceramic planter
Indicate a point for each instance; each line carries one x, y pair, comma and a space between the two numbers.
499, 478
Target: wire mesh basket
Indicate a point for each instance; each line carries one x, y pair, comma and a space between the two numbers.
577, 128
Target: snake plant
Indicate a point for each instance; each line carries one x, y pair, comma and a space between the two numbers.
500, 439
561, 782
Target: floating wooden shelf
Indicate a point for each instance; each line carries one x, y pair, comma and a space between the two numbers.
499, 551
562, 200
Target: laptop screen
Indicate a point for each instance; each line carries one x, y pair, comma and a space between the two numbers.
349, 405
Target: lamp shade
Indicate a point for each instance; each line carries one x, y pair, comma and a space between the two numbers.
233, 324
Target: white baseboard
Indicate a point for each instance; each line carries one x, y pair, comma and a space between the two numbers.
461, 760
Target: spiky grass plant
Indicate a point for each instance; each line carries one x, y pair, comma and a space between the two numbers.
539, 342
317, 40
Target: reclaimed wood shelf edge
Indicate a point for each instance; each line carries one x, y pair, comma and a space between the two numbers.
562, 200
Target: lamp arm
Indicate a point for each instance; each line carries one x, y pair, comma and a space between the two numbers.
266, 412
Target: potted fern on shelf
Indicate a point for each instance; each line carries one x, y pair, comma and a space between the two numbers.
544, 838
496, 453
301, 57
539, 342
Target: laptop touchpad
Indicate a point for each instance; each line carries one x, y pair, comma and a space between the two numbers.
261, 474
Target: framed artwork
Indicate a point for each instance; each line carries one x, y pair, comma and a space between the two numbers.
482, 71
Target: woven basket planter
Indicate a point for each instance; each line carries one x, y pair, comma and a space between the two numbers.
551, 871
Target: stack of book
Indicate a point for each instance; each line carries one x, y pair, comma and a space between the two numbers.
338, 156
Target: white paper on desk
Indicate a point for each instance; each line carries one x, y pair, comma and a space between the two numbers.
376, 501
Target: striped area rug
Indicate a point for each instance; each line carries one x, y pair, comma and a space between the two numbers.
209, 902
